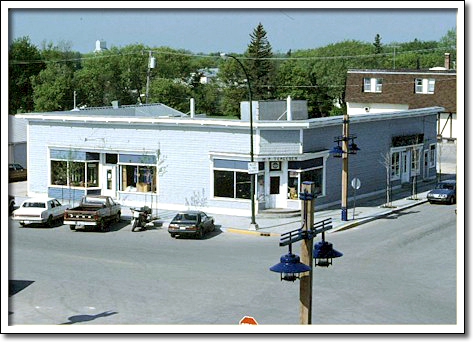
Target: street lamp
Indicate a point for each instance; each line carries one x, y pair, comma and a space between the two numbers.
348, 147
253, 224
291, 268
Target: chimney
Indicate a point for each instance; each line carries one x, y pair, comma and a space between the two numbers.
289, 109
192, 108
447, 61
115, 104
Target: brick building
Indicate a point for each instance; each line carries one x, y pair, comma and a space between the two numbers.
378, 91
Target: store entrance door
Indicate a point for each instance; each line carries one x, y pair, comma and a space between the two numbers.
109, 187
277, 197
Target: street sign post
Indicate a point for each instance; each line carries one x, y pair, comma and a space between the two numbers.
355, 184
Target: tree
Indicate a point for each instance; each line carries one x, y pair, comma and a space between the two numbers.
377, 44
259, 66
24, 62
100, 81
52, 88
386, 162
234, 86
206, 95
171, 93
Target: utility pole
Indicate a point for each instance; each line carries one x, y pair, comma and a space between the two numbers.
394, 56
150, 66
345, 167
305, 294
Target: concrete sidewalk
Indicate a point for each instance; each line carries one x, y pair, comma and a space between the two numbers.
366, 210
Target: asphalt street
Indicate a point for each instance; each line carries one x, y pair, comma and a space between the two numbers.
400, 269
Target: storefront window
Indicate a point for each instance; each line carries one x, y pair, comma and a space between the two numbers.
92, 174
138, 178
232, 184
395, 169
243, 185
58, 172
224, 184
316, 176
293, 185
77, 174
311, 170
415, 160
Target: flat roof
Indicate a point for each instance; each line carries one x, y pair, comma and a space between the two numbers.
122, 118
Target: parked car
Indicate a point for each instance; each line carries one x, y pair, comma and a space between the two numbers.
39, 210
191, 223
16, 173
95, 212
11, 204
444, 192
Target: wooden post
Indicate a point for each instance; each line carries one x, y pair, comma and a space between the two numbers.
305, 294
345, 168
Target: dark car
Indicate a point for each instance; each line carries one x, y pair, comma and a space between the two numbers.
444, 192
16, 173
191, 223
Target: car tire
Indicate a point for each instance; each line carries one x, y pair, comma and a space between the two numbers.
118, 217
102, 226
201, 234
173, 235
22, 225
49, 222
72, 227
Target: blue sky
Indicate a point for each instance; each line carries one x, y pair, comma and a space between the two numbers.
227, 30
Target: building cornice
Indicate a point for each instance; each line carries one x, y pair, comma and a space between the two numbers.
233, 124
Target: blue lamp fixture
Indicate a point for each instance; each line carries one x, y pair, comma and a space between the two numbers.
323, 253
290, 267
337, 151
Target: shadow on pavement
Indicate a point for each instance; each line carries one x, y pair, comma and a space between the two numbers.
396, 215
15, 286
87, 318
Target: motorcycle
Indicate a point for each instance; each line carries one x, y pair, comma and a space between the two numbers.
140, 218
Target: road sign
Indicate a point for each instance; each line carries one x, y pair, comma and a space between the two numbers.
252, 168
355, 183
248, 320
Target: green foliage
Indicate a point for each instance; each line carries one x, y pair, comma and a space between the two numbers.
45, 79
260, 68
24, 62
173, 94
52, 88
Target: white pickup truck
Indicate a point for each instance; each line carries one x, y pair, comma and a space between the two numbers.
94, 212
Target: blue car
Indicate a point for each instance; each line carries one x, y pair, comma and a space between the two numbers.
444, 192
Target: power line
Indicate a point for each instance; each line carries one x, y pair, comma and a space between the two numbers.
240, 57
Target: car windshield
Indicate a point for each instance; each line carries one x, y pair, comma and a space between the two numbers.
94, 200
185, 217
445, 186
34, 205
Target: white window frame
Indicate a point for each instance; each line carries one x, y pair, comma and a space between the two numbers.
424, 85
397, 172
299, 173
416, 153
375, 85
68, 181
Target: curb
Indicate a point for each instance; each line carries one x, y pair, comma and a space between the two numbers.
369, 219
337, 229
248, 232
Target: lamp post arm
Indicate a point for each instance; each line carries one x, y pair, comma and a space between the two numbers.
252, 190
